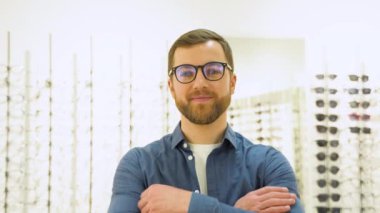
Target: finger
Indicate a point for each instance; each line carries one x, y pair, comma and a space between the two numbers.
277, 209
144, 193
277, 202
281, 195
268, 189
142, 203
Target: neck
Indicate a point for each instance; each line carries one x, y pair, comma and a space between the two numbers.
204, 134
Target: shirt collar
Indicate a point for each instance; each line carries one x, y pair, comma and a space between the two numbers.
178, 137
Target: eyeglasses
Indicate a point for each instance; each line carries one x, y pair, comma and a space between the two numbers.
327, 209
323, 197
322, 90
212, 71
357, 130
364, 78
322, 183
321, 117
356, 104
321, 103
322, 156
352, 91
323, 76
323, 129
322, 169
323, 143
356, 117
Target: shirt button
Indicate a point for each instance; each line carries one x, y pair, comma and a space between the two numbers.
196, 191
190, 157
185, 145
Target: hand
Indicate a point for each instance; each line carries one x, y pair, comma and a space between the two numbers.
267, 200
162, 198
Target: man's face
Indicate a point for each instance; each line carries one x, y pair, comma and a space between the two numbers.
202, 101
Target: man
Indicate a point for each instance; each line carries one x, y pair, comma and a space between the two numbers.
203, 166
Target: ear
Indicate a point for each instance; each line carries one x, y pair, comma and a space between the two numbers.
233, 83
170, 86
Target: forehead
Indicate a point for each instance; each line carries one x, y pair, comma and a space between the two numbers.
199, 54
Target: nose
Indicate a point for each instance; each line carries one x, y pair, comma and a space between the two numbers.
200, 80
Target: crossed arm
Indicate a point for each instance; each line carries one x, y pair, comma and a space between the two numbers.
167, 199
131, 195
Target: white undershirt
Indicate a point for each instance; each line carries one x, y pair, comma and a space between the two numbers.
200, 153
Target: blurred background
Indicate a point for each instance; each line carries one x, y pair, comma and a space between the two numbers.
82, 82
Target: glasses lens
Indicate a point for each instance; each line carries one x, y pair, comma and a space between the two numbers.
333, 118
353, 77
367, 130
334, 183
321, 169
354, 129
321, 183
354, 104
365, 104
321, 156
320, 76
185, 73
334, 169
322, 143
334, 156
213, 71
333, 130
323, 209
320, 117
366, 90
333, 104
335, 197
320, 103
334, 143
321, 129
333, 91
323, 197
319, 90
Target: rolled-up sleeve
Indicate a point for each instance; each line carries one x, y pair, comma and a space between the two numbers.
128, 184
278, 172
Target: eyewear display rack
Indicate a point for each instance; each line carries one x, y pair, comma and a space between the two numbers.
347, 171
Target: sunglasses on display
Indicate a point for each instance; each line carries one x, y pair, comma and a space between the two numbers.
212, 71
323, 143
328, 209
325, 76
322, 156
356, 104
323, 129
364, 78
324, 197
322, 169
321, 117
353, 91
357, 117
333, 183
321, 103
320, 90
358, 130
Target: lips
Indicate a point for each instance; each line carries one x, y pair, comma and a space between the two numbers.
201, 99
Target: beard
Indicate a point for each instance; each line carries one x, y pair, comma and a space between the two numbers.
207, 113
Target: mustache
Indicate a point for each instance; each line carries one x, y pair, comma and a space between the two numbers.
203, 92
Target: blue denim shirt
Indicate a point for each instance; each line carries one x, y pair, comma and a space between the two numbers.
235, 168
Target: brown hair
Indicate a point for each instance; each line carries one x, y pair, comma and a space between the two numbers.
199, 36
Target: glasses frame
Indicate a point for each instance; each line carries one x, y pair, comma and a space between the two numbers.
173, 70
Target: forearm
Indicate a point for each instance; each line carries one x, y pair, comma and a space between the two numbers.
204, 204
